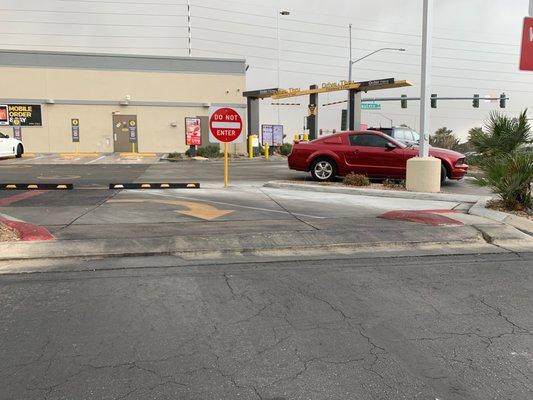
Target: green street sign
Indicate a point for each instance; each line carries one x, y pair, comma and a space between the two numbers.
370, 106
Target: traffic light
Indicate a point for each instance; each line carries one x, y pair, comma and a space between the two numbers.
403, 101
503, 99
475, 102
433, 100
344, 118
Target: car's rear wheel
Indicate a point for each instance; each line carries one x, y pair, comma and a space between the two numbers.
323, 169
443, 173
19, 151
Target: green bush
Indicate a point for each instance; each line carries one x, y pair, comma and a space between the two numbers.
510, 176
207, 151
506, 165
175, 155
285, 149
474, 159
356, 180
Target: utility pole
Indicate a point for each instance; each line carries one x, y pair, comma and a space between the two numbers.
425, 93
531, 8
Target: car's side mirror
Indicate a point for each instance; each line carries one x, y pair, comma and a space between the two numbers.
390, 146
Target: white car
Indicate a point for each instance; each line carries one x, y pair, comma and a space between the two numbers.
10, 146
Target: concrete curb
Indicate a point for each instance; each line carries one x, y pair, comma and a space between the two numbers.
273, 243
479, 209
458, 198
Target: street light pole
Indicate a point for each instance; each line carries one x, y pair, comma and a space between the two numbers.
357, 97
278, 13
427, 32
348, 111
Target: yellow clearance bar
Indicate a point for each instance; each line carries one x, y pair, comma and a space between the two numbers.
334, 87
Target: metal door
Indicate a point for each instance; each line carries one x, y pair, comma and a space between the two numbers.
121, 132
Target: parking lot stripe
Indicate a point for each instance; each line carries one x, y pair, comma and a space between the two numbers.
96, 159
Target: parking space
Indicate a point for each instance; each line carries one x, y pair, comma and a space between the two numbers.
82, 158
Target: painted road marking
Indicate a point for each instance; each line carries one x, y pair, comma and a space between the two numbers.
235, 205
6, 201
96, 159
196, 210
69, 177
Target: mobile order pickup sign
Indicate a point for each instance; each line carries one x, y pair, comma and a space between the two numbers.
225, 126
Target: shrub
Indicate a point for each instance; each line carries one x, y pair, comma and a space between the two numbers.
510, 176
285, 149
356, 180
474, 159
393, 184
175, 155
209, 151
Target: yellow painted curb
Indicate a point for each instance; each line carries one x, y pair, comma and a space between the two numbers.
79, 154
28, 155
138, 154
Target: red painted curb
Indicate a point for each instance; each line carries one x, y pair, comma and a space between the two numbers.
27, 231
421, 216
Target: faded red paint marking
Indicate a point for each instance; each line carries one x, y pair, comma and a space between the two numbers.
427, 217
446, 211
20, 196
27, 231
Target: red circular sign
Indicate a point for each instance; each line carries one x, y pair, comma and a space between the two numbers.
225, 124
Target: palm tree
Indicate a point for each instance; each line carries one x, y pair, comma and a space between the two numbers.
502, 134
506, 164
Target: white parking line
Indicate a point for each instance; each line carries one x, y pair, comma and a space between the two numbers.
96, 159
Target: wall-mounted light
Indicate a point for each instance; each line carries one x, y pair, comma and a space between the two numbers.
174, 124
124, 102
49, 101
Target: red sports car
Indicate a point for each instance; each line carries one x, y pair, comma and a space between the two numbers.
371, 153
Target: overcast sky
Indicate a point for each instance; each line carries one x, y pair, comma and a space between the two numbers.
476, 46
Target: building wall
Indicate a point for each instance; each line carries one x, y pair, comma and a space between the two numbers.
158, 99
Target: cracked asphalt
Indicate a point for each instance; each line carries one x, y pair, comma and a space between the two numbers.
447, 327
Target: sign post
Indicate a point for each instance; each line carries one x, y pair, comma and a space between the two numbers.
75, 128
225, 126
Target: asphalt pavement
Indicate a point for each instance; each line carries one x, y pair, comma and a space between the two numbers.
209, 172
455, 327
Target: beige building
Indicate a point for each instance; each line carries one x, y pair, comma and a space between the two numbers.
105, 93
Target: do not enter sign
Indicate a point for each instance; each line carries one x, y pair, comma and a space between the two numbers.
225, 125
